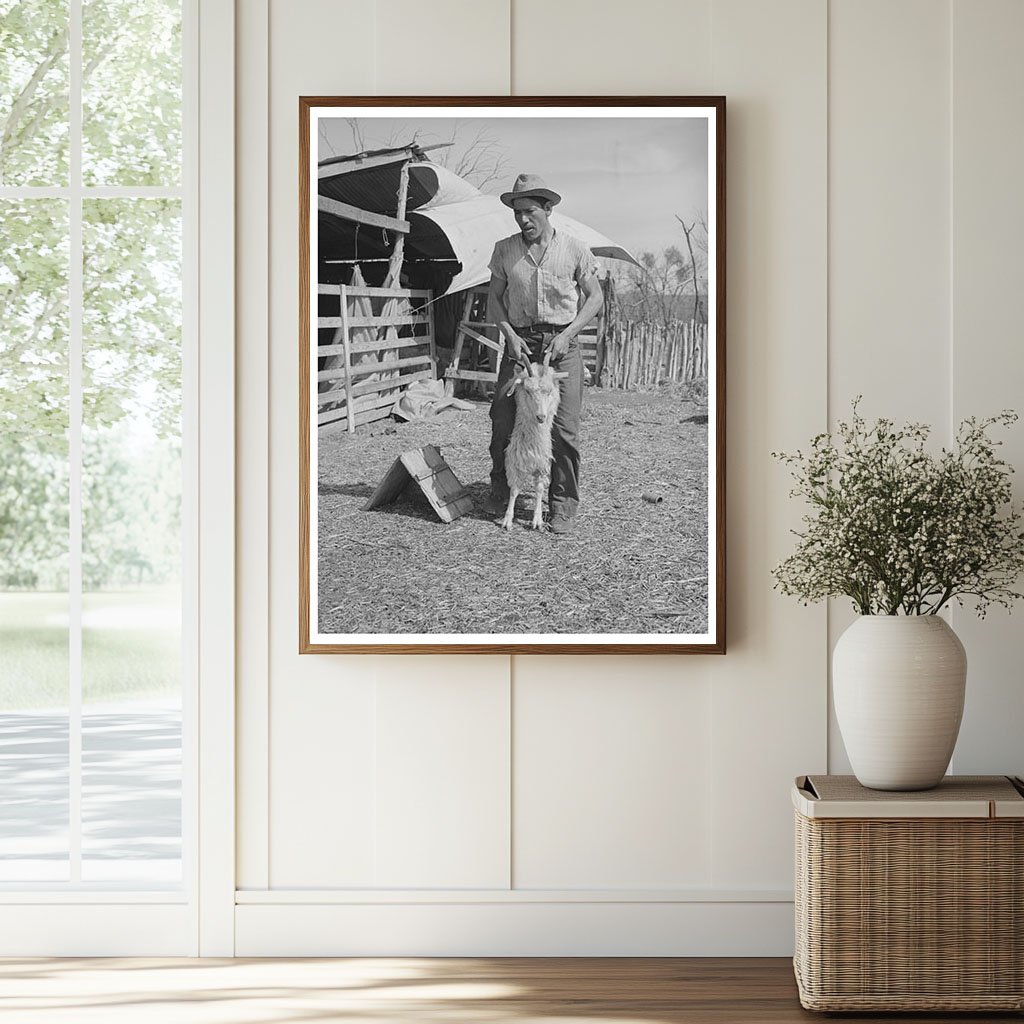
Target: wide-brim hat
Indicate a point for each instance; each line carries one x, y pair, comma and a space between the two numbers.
528, 185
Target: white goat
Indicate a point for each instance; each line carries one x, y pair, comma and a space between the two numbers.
528, 455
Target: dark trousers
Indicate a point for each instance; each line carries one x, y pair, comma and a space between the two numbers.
564, 492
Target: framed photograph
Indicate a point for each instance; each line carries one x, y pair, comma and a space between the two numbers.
512, 375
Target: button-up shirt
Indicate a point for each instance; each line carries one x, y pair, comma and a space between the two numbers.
546, 291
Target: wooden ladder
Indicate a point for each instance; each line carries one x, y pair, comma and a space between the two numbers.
470, 330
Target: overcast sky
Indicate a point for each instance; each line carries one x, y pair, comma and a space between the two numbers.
624, 177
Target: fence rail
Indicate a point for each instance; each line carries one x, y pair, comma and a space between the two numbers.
379, 343
374, 342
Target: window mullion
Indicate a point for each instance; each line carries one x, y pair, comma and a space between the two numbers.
75, 297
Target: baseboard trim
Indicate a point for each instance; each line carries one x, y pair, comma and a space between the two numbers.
349, 897
515, 928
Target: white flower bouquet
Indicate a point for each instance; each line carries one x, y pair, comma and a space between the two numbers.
899, 530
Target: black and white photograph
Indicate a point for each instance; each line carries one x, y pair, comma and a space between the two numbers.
511, 375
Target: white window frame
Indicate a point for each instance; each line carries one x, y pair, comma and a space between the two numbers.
216, 392
75, 918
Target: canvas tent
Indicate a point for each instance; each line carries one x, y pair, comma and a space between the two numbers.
452, 224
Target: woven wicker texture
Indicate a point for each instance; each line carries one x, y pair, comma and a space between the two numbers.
912, 914
960, 787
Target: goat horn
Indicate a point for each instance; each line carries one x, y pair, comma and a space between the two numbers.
525, 363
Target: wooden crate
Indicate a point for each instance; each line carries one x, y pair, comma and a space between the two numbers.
426, 467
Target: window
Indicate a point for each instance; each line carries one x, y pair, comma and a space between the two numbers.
95, 463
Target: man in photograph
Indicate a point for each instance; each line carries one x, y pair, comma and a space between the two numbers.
538, 278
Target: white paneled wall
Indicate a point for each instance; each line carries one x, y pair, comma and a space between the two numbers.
889, 210
442, 775
612, 775
317, 816
543, 805
987, 365
322, 813
768, 693
889, 202
579, 48
421, 48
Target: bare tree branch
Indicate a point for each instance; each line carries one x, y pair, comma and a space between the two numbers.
357, 134
693, 268
325, 140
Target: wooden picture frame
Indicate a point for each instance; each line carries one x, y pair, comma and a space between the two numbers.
395, 554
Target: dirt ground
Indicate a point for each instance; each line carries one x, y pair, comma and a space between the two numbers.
630, 566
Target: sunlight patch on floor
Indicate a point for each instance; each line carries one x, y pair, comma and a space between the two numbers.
218, 991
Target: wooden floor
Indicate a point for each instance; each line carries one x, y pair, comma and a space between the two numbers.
413, 991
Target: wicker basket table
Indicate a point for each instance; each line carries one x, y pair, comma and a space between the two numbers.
910, 901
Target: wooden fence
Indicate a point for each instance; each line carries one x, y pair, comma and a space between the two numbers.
374, 342
381, 340
642, 354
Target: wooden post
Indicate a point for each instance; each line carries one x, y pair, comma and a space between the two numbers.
394, 274
609, 355
601, 350
393, 279
350, 413
614, 352
431, 326
612, 355
460, 338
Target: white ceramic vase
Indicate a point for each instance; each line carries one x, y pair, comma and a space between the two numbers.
898, 684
